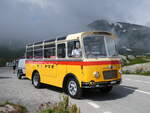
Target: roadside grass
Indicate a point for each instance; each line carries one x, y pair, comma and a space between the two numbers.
61, 107
137, 60
18, 108
147, 57
144, 73
147, 73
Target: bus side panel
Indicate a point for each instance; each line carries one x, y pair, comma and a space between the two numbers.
29, 70
31, 67
41, 69
61, 72
49, 72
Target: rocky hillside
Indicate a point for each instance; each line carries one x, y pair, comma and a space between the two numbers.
133, 39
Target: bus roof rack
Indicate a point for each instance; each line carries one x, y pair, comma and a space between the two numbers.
51, 40
61, 38
38, 43
29, 44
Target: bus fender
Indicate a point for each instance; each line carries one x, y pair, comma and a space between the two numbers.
69, 75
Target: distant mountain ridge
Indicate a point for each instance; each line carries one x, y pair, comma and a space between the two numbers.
10, 50
134, 39
12, 44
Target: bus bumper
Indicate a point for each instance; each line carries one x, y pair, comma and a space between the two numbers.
93, 84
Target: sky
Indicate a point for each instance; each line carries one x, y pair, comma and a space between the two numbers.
44, 19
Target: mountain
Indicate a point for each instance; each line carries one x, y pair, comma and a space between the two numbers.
10, 50
133, 39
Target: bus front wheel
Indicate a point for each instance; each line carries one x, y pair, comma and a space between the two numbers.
36, 80
73, 88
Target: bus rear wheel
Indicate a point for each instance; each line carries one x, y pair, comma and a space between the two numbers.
36, 80
73, 88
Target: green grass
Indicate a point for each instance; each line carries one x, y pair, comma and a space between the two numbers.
147, 57
47, 111
144, 73
147, 73
138, 60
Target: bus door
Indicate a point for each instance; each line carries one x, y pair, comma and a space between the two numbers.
61, 66
50, 66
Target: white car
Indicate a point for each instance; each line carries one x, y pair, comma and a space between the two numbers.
21, 68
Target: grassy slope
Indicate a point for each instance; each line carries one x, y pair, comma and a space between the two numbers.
138, 60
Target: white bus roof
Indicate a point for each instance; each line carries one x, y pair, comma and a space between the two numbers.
75, 36
79, 35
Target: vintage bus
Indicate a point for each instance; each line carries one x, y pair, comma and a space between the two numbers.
74, 62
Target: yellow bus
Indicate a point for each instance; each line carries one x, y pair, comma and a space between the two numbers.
74, 62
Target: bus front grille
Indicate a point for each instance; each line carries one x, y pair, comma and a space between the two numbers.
110, 74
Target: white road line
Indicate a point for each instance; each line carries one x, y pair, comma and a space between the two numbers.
93, 105
138, 90
138, 81
107, 112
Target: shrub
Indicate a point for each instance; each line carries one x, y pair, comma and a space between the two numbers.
60, 107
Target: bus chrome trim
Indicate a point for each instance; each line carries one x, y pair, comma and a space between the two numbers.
93, 84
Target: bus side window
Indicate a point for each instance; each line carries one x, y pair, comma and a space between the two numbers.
61, 50
74, 46
38, 51
49, 51
29, 52
70, 48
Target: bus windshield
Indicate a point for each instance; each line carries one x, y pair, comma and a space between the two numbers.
99, 46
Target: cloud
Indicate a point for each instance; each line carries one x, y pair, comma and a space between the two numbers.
40, 3
42, 19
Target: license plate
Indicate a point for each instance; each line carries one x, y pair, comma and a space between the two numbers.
113, 82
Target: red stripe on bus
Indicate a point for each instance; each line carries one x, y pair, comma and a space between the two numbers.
75, 62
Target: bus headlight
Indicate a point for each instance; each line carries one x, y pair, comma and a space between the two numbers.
96, 74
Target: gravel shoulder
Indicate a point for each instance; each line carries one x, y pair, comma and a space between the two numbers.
23, 92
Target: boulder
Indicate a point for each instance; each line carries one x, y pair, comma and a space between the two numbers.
131, 57
137, 68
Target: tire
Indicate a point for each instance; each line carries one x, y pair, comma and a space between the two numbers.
19, 75
36, 80
106, 90
73, 88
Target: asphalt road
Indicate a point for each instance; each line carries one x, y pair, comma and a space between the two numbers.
132, 96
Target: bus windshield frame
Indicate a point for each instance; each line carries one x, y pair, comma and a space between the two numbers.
99, 46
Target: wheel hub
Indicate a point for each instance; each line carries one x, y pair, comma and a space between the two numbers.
36, 80
72, 87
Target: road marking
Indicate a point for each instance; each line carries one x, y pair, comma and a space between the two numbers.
94, 105
107, 112
138, 81
138, 90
